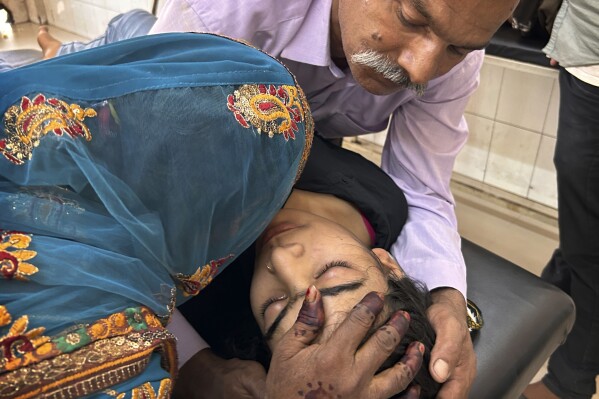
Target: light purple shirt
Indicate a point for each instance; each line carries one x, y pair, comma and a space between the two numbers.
424, 137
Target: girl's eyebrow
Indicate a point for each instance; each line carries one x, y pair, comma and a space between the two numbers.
330, 291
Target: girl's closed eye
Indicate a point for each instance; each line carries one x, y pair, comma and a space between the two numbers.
319, 273
330, 265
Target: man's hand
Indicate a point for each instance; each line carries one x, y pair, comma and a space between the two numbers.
453, 361
336, 367
207, 376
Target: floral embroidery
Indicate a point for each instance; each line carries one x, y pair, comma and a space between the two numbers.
270, 109
27, 123
192, 285
309, 132
12, 262
129, 321
18, 342
146, 391
93, 368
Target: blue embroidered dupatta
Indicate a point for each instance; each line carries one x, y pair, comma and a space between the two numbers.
130, 176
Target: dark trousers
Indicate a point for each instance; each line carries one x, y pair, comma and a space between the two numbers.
574, 267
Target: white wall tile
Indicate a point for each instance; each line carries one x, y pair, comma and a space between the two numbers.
63, 15
550, 127
472, 160
512, 158
82, 21
524, 99
50, 6
543, 186
483, 101
142, 4
89, 18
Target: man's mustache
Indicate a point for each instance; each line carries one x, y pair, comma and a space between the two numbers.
388, 69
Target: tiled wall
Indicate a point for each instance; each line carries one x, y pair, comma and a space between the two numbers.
89, 18
513, 121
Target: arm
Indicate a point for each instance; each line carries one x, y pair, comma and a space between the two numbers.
424, 138
189, 342
203, 374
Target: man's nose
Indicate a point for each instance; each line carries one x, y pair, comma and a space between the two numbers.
422, 58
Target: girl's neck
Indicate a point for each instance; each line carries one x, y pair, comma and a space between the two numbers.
332, 208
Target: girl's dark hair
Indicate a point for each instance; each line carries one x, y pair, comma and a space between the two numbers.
413, 297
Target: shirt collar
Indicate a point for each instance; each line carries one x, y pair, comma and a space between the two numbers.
311, 43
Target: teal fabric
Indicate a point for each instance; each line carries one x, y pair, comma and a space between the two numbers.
175, 174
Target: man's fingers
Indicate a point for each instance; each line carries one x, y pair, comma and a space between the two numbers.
307, 326
462, 377
382, 343
353, 329
395, 379
448, 318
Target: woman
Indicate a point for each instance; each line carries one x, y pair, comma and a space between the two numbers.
341, 207
130, 175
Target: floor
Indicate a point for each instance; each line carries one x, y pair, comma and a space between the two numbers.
525, 238
24, 36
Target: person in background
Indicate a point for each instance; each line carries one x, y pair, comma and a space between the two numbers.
574, 266
360, 62
130, 24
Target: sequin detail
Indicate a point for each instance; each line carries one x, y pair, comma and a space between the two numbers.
27, 123
14, 254
271, 109
193, 284
129, 321
93, 366
146, 391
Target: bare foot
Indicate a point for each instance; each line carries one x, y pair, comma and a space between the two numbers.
48, 43
538, 390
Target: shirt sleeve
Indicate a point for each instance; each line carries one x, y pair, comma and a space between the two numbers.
424, 138
189, 342
178, 16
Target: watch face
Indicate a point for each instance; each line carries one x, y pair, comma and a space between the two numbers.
474, 315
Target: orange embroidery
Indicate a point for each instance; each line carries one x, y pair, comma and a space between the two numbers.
146, 391
12, 262
193, 284
129, 321
270, 109
18, 342
27, 123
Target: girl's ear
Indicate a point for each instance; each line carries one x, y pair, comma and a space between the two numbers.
388, 261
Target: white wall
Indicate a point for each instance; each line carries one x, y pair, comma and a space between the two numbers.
89, 18
513, 123
512, 119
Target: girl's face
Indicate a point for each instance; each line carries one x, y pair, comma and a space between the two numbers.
299, 249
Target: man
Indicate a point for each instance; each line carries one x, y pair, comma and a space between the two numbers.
359, 62
574, 266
